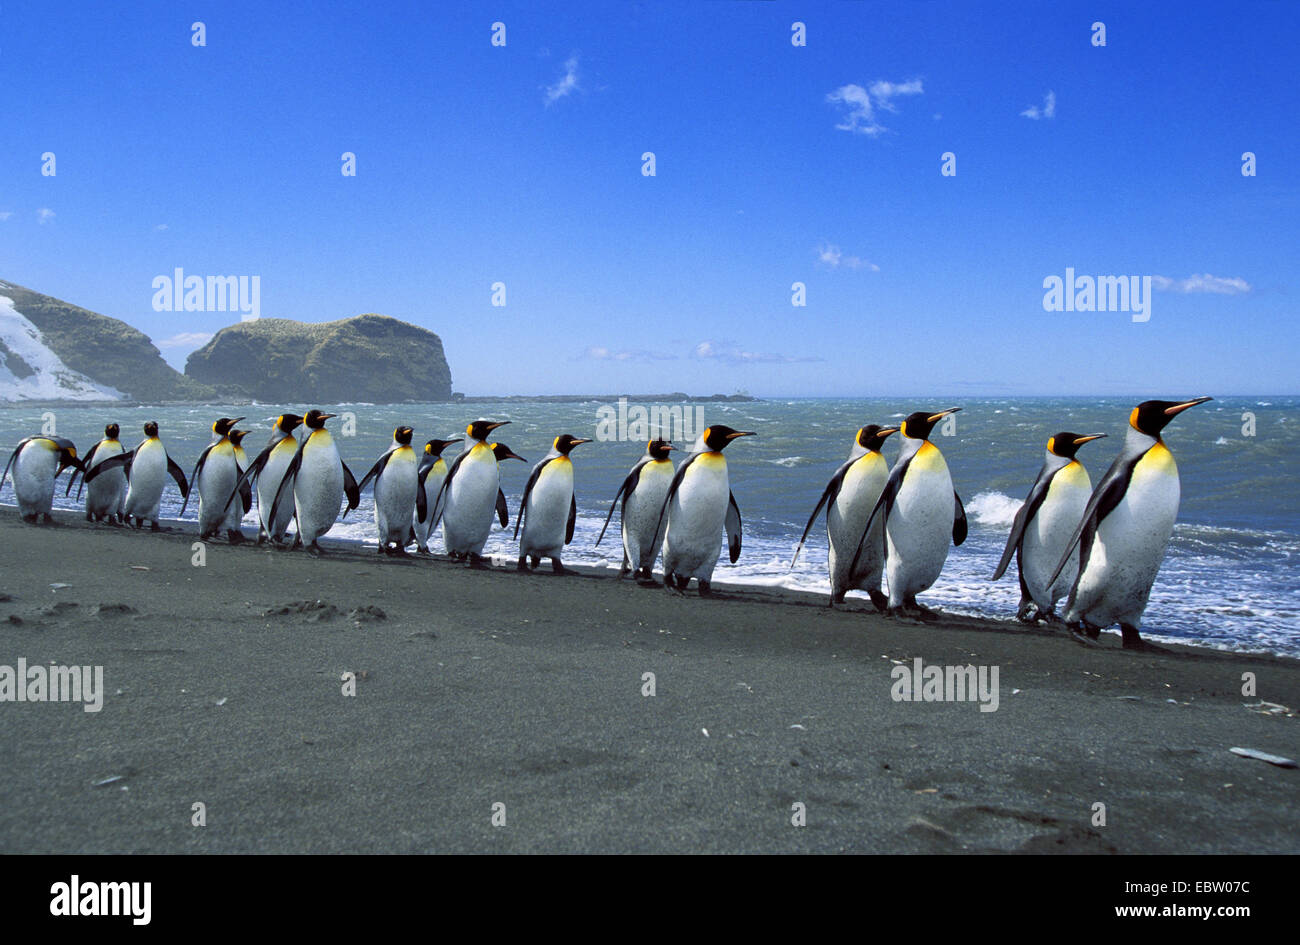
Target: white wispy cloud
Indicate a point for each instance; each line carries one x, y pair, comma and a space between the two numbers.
830, 255
860, 104
600, 353
186, 339
1204, 282
566, 84
734, 354
160, 227
5, 215
44, 215
1047, 111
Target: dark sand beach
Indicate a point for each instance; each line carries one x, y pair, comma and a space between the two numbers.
475, 688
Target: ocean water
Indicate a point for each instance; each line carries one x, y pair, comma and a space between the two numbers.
1229, 579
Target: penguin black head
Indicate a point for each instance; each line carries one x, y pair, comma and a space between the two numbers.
716, 437
659, 449
872, 437
479, 429
223, 426
111, 431
68, 457
1066, 444
1150, 417
435, 447
501, 451
565, 443
315, 420
151, 428
288, 422
403, 435
918, 425
237, 436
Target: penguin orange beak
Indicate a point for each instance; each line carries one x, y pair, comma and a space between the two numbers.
735, 433
328, 416
499, 423
887, 432
935, 418
1179, 408
1080, 440
576, 442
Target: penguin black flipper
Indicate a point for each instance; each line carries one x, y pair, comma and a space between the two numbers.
13, 456
1025, 515
245, 490
672, 489
113, 462
528, 490
349, 488
176, 473
733, 527
246, 478
829, 494
503, 510
1108, 494
958, 520
625, 491
437, 502
290, 473
375, 470
884, 505
421, 500
573, 519
194, 476
73, 478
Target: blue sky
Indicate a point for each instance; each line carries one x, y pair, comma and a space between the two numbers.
774, 164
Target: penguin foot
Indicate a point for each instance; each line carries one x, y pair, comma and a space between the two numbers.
89, 517
235, 537
155, 527
706, 589
30, 519
1078, 635
880, 600
315, 550
559, 568
522, 564
1133, 641
478, 562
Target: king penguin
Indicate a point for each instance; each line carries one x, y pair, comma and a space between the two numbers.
643, 493
396, 478
921, 512
850, 497
216, 475
104, 497
549, 510
147, 468
1043, 525
37, 462
317, 480
1125, 528
697, 509
429, 479
467, 500
268, 468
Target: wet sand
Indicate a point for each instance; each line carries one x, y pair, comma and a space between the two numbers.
475, 688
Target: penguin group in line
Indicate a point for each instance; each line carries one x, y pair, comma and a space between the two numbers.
1098, 548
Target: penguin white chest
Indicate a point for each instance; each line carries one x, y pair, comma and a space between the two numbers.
34, 476
547, 516
268, 484
318, 486
216, 482
696, 518
105, 492
919, 527
471, 501
148, 471
1052, 527
847, 517
1130, 544
432, 484
641, 512
395, 495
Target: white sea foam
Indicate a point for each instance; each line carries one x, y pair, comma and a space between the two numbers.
993, 509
